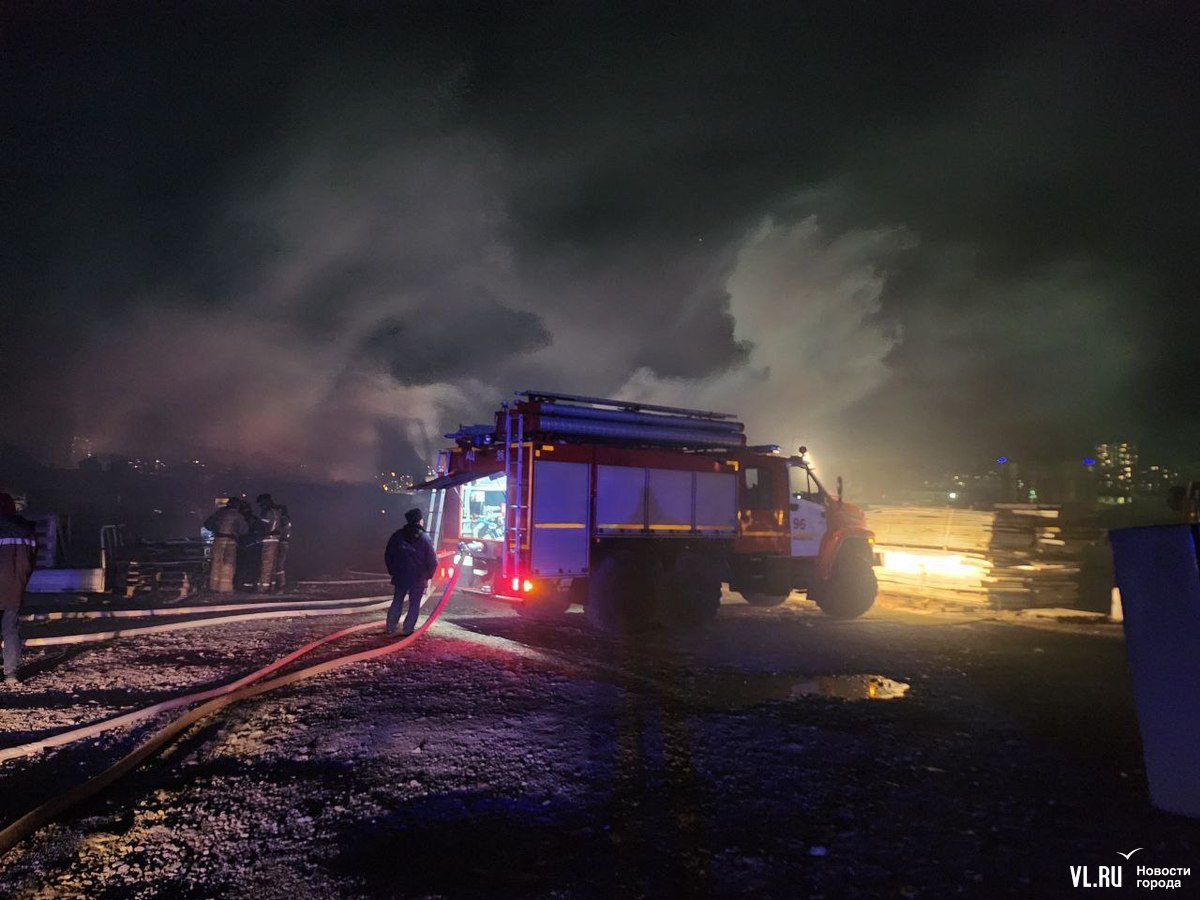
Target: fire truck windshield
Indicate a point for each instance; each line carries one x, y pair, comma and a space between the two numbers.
803, 483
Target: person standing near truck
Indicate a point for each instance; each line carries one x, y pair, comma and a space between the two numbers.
411, 561
245, 577
270, 522
285, 537
228, 525
18, 550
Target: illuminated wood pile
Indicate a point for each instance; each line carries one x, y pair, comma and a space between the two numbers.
1012, 556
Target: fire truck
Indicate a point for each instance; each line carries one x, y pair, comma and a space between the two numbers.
639, 512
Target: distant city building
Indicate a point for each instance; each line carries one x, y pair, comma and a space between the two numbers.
1112, 475
81, 449
1155, 480
393, 483
144, 465
1115, 465
1120, 477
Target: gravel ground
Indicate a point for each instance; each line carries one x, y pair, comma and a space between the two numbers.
500, 757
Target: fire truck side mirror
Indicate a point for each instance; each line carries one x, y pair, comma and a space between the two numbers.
839, 484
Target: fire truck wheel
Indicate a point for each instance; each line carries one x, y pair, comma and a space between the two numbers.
620, 594
764, 599
851, 588
695, 591
548, 606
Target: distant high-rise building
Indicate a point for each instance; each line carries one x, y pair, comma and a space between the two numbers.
1155, 480
1116, 468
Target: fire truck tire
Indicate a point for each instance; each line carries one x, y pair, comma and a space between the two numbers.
764, 599
620, 594
695, 596
851, 588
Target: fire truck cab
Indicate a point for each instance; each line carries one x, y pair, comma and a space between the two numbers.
639, 512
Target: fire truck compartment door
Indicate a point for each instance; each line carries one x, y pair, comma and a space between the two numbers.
669, 506
808, 526
633, 500
559, 536
620, 499
716, 503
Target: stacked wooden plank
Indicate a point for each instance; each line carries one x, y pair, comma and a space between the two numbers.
1010, 556
136, 579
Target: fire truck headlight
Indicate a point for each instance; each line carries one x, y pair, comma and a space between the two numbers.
516, 584
527, 585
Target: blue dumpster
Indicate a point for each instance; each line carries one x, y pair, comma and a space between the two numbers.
1159, 578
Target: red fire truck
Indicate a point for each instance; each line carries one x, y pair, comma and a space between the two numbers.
639, 512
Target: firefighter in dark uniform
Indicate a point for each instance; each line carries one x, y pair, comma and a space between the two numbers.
411, 561
270, 517
246, 576
229, 526
18, 552
285, 537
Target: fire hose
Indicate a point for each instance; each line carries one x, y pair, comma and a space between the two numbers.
242, 689
86, 731
365, 604
151, 611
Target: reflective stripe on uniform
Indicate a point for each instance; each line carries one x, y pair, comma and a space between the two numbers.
28, 542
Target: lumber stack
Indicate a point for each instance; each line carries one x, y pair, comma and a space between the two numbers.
1008, 557
164, 581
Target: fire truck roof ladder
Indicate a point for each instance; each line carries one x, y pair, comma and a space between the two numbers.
627, 405
572, 417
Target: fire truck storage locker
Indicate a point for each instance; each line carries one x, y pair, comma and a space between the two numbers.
716, 504
631, 500
620, 500
559, 537
669, 500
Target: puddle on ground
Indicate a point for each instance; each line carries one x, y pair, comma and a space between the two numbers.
738, 690
852, 687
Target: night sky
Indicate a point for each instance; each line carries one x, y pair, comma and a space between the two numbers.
314, 237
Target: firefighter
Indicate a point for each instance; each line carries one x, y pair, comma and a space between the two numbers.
285, 537
270, 518
249, 550
18, 551
229, 526
411, 561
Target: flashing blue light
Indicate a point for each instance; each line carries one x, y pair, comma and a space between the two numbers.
1088, 461
1001, 459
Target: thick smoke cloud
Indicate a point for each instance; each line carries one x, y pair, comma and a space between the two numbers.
887, 239
806, 305
345, 330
